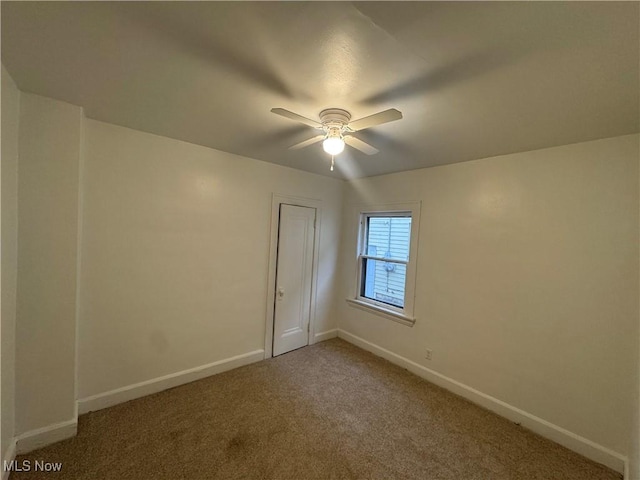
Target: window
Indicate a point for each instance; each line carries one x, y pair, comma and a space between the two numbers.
386, 261
384, 257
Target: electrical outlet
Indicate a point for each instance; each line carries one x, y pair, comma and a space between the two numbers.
428, 354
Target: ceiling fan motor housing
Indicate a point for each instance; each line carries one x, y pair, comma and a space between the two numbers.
334, 119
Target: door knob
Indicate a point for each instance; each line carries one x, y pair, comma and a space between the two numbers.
280, 293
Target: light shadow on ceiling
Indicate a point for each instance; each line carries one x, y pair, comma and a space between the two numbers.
386, 144
211, 51
465, 68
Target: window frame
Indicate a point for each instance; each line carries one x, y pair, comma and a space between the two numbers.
405, 314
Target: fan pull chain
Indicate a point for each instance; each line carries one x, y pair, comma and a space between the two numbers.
332, 162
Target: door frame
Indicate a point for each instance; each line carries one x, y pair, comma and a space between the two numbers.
276, 200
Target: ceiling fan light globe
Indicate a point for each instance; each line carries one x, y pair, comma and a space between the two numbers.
333, 145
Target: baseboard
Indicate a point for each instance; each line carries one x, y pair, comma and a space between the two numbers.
131, 392
568, 439
322, 336
9, 456
34, 439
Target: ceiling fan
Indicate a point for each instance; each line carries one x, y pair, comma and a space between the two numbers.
338, 129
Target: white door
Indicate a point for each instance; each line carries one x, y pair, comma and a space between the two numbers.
293, 278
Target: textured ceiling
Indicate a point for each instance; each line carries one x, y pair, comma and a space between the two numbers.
473, 79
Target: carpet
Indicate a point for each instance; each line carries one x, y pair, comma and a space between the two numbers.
328, 411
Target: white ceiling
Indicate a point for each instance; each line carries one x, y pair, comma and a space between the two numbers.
472, 79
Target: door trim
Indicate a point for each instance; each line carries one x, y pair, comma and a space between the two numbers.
276, 200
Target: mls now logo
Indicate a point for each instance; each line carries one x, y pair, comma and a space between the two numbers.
28, 466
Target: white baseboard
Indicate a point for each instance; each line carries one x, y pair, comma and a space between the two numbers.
42, 437
9, 456
322, 336
131, 392
564, 437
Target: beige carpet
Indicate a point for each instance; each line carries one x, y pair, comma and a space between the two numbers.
326, 411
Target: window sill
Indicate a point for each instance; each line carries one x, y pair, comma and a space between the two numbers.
383, 312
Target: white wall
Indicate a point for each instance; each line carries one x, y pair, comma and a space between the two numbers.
50, 134
175, 248
634, 457
9, 253
527, 281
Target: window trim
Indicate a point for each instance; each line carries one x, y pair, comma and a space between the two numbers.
403, 315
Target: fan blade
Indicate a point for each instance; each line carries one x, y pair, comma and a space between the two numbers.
376, 119
306, 143
358, 144
295, 117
